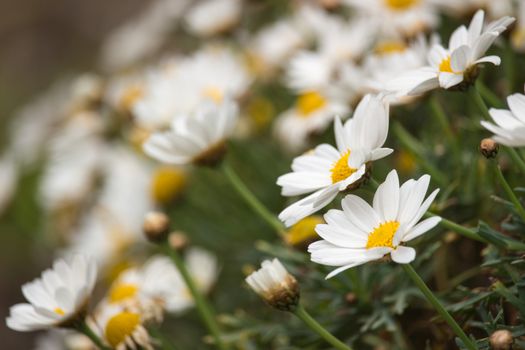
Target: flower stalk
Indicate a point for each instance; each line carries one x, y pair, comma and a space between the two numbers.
252, 201
439, 308
509, 191
516, 158
205, 310
480, 103
83, 328
304, 316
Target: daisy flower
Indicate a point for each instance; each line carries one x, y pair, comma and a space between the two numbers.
449, 67
198, 138
57, 298
360, 233
122, 328
275, 285
213, 17
398, 17
312, 113
509, 129
327, 170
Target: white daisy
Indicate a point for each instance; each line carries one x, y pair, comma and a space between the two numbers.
312, 113
211, 17
197, 138
57, 298
328, 170
509, 129
459, 63
275, 285
494, 9
121, 328
360, 233
180, 85
398, 17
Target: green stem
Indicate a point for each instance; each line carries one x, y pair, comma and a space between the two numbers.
510, 192
316, 327
516, 158
252, 201
205, 310
462, 230
88, 332
478, 100
442, 119
165, 342
488, 95
439, 308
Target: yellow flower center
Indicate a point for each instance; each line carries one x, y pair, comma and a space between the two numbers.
444, 66
59, 311
122, 291
303, 230
121, 326
167, 183
309, 102
400, 4
390, 47
341, 170
383, 235
214, 93
130, 96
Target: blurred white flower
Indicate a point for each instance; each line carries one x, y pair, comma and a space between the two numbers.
63, 339
121, 328
360, 233
398, 18
518, 33
312, 113
494, 9
58, 297
449, 67
327, 170
210, 17
197, 138
75, 156
179, 86
509, 129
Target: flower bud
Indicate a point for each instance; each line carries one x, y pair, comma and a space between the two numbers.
156, 226
177, 240
489, 148
501, 340
275, 285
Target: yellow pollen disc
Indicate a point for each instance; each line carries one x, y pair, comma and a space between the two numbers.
383, 235
444, 66
309, 102
400, 4
122, 291
130, 96
167, 183
390, 47
303, 230
121, 326
341, 170
59, 311
214, 93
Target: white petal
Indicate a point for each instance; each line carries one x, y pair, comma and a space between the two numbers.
422, 227
386, 198
403, 255
447, 80
459, 59
360, 213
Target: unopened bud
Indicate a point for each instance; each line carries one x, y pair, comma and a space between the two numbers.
156, 226
177, 240
275, 285
489, 148
501, 340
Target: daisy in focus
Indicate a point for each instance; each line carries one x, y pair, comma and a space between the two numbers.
198, 138
457, 64
58, 298
327, 170
509, 129
360, 233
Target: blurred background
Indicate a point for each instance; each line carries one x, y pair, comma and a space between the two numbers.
41, 42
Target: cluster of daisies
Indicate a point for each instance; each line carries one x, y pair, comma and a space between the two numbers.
121, 144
